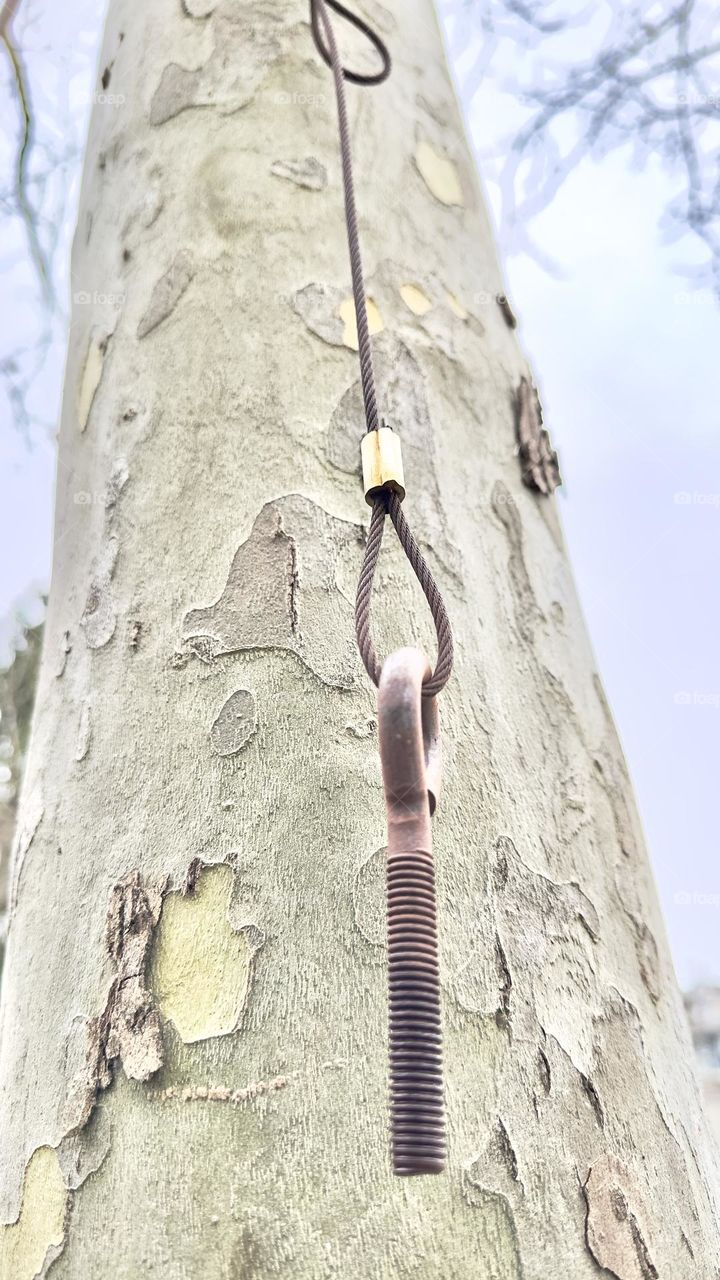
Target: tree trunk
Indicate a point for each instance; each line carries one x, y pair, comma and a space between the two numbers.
193, 1038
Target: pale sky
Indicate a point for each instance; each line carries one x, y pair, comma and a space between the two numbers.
626, 356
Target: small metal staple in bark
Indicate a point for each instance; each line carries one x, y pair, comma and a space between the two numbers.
411, 764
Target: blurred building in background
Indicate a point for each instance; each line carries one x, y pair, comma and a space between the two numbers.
703, 1010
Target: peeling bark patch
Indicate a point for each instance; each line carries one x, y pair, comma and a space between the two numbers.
549, 931
439, 174
308, 173
98, 617
128, 1029
415, 299
253, 610
90, 376
176, 92
346, 312
538, 459
201, 967
457, 307
290, 557
230, 77
398, 299
616, 1235
167, 292
330, 315
38, 1235
319, 306
235, 723
131, 1024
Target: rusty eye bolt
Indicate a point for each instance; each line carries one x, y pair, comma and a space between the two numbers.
411, 765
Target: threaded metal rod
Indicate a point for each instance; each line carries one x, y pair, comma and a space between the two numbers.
416, 1078
410, 753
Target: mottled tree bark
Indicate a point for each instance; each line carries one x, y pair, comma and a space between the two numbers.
193, 1039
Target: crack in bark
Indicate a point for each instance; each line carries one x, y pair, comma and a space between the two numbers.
507, 1151
503, 1015
192, 875
293, 584
544, 1071
593, 1098
613, 1233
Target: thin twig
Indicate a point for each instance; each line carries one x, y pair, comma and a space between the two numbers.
617, 96
22, 199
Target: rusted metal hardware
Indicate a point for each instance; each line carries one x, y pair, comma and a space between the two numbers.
411, 767
382, 463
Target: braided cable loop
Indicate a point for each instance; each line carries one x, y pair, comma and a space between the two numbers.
368, 652
386, 503
392, 506
432, 593
416, 1084
354, 77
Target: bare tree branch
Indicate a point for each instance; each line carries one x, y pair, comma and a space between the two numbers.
22, 200
647, 83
